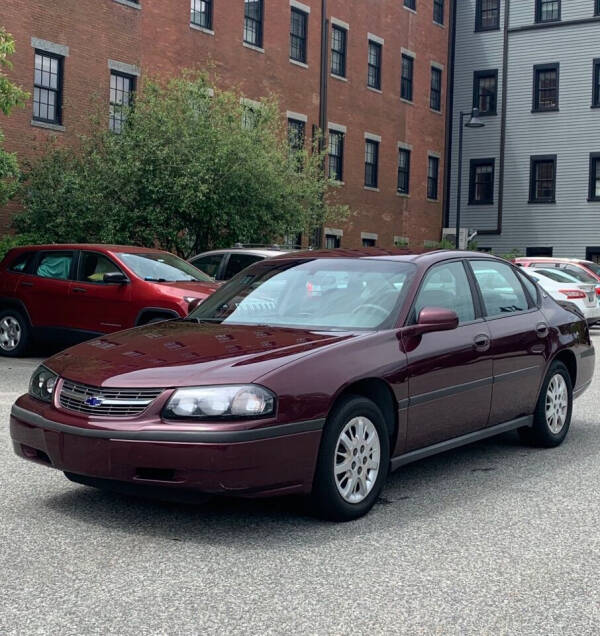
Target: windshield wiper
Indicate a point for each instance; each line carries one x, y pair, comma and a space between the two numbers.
201, 320
157, 280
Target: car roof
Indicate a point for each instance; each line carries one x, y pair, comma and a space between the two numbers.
254, 251
132, 249
403, 255
550, 259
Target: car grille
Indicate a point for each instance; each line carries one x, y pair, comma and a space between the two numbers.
106, 402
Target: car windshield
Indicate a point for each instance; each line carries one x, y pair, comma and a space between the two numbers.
325, 294
162, 267
594, 267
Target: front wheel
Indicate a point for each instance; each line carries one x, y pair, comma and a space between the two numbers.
552, 416
353, 460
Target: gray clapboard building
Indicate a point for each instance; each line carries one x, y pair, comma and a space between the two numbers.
531, 175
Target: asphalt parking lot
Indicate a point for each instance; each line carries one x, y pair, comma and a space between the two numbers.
492, 538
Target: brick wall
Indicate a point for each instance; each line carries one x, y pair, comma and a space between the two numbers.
159, 39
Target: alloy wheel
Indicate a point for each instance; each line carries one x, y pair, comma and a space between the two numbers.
357, 459
557, 403
10, 333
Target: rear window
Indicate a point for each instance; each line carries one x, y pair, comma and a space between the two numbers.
21, 262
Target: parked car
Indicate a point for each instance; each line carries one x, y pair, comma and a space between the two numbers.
74, 292
584, 271
268, 388
225, 264
563, 287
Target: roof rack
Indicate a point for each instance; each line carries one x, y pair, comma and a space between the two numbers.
273, 246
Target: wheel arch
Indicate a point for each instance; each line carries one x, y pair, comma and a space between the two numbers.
148, 313
568, 358
15, 303
379, 392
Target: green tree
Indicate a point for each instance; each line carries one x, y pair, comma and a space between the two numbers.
192, 169
11, 96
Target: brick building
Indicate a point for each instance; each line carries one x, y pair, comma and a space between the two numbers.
381, 93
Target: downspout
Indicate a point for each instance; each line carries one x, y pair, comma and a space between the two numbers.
449, 116
324, 72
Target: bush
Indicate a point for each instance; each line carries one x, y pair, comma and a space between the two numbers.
184, 173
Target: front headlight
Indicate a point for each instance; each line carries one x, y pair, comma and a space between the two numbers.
42, 384
220, 402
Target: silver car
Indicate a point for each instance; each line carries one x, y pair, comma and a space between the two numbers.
226, 263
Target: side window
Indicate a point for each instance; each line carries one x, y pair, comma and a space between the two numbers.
209, 264
55, 265
501, 289
447, 286
530, 287
21, 262
93, 266
238, 262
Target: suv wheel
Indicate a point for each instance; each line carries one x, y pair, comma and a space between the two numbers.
14, 333
353, 460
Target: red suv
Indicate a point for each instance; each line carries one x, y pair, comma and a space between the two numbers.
75, 292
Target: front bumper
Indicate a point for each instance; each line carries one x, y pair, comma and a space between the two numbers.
278, 459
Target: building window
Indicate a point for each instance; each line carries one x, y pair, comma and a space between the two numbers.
438, 11
433, 169
47, 88
411, 4
406, 85
122, 88
435, 97
202, 13
336, 155
487, 15
594, 191
371, 163
538, 251
596, 7
298, 35
547, 10
332, 241
485, 91
253, 22
368, 242
403, 171
542, 182
374, 65
296, 134
481, 182
545, 87
338, 51
596, 83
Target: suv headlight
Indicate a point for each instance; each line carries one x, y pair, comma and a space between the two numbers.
220, 402
42, 384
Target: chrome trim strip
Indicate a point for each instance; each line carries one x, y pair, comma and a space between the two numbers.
164, 435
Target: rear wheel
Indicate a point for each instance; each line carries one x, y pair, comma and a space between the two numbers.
14, 333
552, 416
353, 460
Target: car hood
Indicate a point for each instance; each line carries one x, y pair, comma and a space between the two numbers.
181, 353
189, 288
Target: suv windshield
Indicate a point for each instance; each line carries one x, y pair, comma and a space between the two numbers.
328, 294
162, 267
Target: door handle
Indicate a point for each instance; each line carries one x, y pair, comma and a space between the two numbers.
481, 342
26, 284
79, 290
541, 329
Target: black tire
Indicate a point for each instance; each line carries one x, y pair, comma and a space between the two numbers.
327, 500
16, 318
541, 433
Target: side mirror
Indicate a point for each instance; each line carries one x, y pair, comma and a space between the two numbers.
193, 304
117, 278
434, 319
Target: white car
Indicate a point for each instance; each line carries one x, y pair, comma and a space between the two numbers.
562, 286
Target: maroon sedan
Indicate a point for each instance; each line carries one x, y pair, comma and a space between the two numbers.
313, 373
